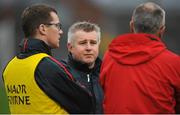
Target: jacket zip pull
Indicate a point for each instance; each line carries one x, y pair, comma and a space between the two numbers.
88, 78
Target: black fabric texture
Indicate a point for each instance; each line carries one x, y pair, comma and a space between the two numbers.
80, 72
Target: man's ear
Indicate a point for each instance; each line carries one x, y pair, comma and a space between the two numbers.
161, 31
42, 29
69, 47
131, 25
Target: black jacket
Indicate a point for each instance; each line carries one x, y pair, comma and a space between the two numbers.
87, 77
54, 80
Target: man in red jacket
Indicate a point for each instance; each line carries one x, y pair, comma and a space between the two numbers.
139, 74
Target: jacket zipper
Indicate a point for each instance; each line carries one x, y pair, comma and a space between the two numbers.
88, 78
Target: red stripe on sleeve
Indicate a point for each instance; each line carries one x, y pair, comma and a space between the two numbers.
69, 74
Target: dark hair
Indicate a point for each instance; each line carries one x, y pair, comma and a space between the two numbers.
35, 15
148, 18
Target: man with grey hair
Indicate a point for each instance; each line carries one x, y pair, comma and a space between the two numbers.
139, 74
83, 62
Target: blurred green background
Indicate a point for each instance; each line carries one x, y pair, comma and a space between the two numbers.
4, 109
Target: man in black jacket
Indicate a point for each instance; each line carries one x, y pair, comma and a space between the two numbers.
83, 62
35, 82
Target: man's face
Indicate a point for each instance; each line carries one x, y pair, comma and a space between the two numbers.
54, 32
84, 47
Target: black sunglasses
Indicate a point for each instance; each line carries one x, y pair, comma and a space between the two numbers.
58, 25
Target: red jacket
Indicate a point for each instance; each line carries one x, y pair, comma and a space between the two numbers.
139, 75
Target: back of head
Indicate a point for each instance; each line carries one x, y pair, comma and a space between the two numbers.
148, 18
83, 26
35, 15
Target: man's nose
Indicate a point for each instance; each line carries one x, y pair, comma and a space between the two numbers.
88, 46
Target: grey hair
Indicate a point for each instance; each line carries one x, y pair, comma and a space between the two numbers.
84, 26
148, 18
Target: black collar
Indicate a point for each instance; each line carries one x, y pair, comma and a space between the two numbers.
82, 66
32, 46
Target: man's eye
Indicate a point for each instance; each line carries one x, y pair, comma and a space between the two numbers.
93, 42
82, 42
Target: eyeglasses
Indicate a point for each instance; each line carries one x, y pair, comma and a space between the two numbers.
58, 25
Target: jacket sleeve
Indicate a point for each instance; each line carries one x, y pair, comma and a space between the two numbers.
53, 80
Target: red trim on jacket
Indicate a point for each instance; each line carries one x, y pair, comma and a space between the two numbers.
60, 64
